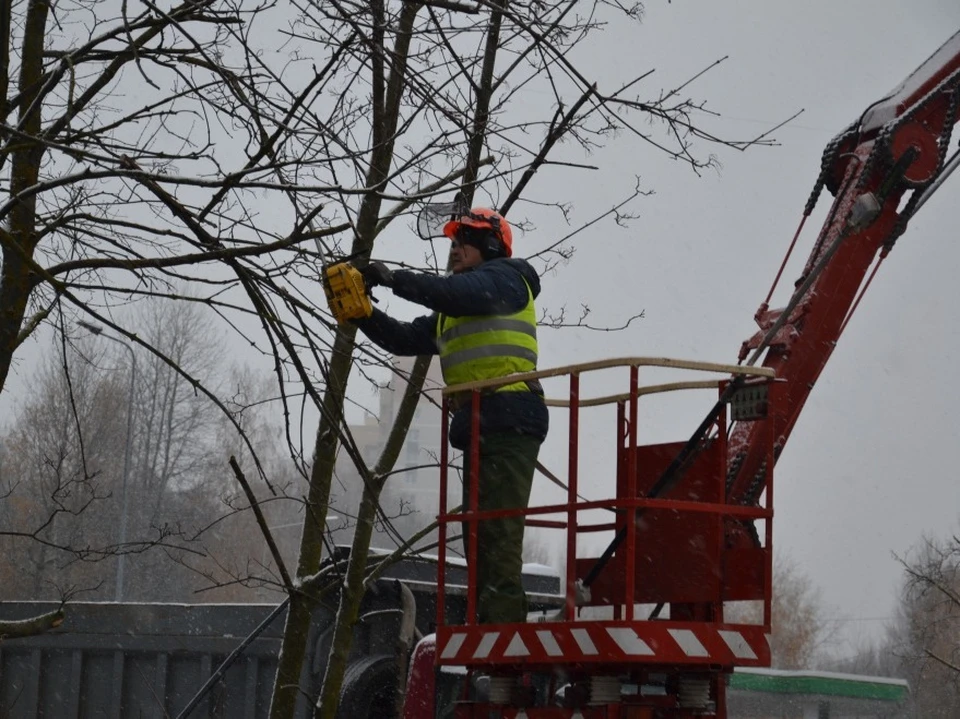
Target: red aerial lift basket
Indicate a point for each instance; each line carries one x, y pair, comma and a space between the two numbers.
650, 608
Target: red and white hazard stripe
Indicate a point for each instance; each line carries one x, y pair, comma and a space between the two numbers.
604, 642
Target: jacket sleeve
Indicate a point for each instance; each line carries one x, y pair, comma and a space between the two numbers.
488, 290
400, 338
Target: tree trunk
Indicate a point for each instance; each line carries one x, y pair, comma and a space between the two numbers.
19, 240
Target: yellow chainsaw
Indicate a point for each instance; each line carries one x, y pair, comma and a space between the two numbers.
347, 294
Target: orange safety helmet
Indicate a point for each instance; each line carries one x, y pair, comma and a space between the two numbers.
484, 217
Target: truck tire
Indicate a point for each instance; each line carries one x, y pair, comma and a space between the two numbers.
369, 688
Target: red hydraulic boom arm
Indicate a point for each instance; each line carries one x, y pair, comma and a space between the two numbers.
881, 170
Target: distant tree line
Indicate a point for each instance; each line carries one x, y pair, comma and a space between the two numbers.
922, 642
89, 507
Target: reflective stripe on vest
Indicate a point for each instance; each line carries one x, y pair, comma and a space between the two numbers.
475, 347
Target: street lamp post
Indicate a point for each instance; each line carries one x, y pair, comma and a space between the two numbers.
97, 330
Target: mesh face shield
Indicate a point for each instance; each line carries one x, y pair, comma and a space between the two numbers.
435, 215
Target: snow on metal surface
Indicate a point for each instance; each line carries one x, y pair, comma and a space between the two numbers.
800, 673
886, 110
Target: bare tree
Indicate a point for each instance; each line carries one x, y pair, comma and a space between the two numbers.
175, 424
799, 626
928, 640
414, 54
921, 643
219, 153
73, 475
56, 494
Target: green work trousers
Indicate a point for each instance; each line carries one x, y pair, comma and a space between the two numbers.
507, 463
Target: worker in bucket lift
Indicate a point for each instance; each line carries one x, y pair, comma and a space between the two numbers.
483, 325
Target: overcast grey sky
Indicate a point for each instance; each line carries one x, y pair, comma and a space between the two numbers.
871, 465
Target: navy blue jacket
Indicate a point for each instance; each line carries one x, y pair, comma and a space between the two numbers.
495, 287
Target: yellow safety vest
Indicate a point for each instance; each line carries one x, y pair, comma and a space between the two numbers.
477, 347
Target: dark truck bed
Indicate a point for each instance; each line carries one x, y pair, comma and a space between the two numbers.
149, 660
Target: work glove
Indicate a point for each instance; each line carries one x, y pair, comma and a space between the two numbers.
376, 273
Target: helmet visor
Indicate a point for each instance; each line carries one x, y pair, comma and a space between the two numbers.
434, 216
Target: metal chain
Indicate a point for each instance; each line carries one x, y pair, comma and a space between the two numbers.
830, 153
